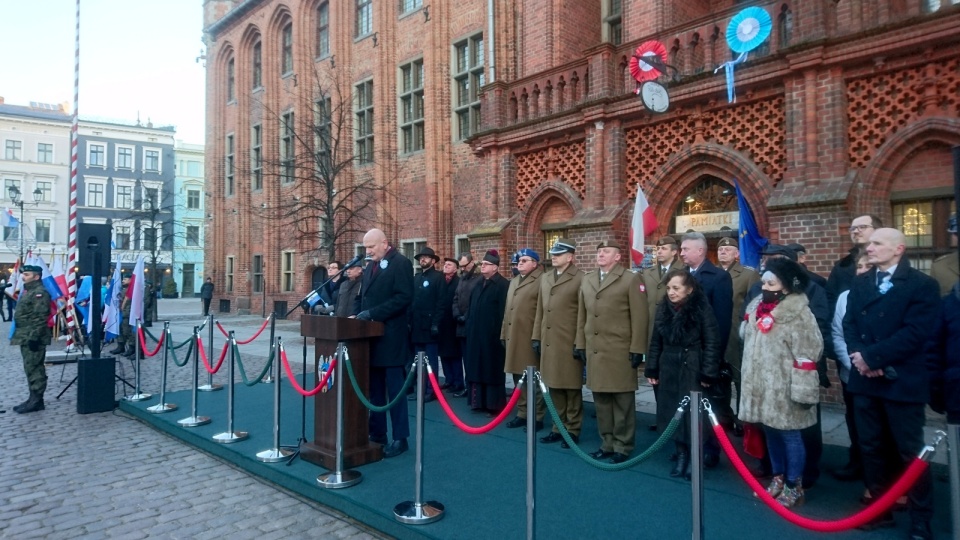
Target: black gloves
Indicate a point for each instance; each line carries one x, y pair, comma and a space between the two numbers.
364, 316
536, 347
635, 360
434, 331
462, 319
580, 354
34, 346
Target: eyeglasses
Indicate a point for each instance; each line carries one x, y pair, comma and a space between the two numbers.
463, 266
525, 260
860, 227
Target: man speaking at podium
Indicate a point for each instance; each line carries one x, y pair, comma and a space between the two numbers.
385, 296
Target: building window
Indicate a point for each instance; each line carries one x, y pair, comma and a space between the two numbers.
124, 197
364, 129
409, 248
97, 155
46, 190
231, 81
257, 65
258, 273
364, 17
228, 166
286, 147
613, 21
193, 199
924, 223
229, 273
43, 230
14, 150
323, 30
193, 236
149, 239
406, 6
286, 61
44, 153
411, 106
287, 270
151, 160
10, 183
95, 195
322, 122
194, 168
10, 233
151, 198
122, 234
463, 246
256, 157
467, 82
125, 157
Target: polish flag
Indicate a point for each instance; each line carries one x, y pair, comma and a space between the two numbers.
644, 222
135, 293
58, 274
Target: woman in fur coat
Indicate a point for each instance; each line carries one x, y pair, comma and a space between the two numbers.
684, 354
781, 344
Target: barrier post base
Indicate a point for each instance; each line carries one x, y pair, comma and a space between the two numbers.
210, 387
274, 455
193, 421
228, 437
413, 513
138, 397
267, 380
337, 480
162, 408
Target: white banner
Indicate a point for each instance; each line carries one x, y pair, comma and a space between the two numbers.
708, 222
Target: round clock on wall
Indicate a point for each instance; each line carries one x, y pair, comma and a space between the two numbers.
655, 97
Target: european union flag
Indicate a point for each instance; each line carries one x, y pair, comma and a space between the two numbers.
751, 242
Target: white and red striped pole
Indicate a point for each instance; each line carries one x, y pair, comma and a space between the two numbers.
72, 239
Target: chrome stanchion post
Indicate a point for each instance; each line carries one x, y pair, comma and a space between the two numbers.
531, 453
953, 457
273, 348
339, 478
276, 453
417, 512
163, 406
696, 465
194, 420
210, 386
137, 395
230, 436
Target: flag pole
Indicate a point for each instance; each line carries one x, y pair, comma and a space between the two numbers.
72, 241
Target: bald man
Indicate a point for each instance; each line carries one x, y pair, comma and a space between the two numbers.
891, 310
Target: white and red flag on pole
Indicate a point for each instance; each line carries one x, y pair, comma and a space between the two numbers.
644, 222
135, 293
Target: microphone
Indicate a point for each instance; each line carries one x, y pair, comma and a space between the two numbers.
313, 298
353, 262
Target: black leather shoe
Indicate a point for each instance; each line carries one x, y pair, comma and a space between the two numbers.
574, 438
445, 386
461, 393
379, 439
848, 473
709, 460
551, 438
537, 426
601, 454
117, 350
737, 429
517, 422
920, 530
885, 521
395, 448
652, 427
617, 457
683, 460
429, 397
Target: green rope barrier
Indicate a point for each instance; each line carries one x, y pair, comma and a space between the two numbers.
243, 373
173, 353
647, 454
147, 332
185, 342
366, 403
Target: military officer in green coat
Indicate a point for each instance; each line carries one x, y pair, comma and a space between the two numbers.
728, 255
33, 335
946, 268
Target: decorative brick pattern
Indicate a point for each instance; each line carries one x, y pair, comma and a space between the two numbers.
566, 163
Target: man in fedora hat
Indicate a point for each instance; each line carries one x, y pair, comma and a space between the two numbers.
33, 335
517, 329
426, 311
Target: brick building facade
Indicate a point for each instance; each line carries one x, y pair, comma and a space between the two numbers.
501, 123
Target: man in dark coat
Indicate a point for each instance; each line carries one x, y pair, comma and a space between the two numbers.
385, 296
891, 312
349, 292
469, 280
426, 311
206, 294
484, 355
801, 252
944, 358
33, 335
844, 270
448, 345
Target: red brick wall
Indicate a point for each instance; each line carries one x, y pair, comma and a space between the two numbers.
928, 167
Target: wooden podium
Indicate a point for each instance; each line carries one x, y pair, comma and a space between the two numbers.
357, 448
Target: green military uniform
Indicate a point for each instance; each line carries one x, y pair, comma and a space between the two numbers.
743, 277
126, 331
946, 270
33, 335
655, 284
517, 329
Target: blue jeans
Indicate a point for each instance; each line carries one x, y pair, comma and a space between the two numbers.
787, 453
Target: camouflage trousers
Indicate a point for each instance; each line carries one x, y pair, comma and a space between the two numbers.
34, 368
126, 335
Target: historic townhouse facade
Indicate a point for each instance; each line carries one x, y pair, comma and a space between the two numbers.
503, 123
189, 219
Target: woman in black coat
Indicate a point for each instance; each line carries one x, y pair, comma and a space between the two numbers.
684, 354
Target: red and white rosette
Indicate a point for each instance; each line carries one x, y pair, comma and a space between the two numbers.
765, 323
642, 71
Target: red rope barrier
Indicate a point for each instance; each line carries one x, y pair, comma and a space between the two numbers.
470, 429
222, 330
203, 356
242, 341
293, 379
143, 343
868, 514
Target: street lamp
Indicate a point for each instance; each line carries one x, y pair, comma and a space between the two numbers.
17, 200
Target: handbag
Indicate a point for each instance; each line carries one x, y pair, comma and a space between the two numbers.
804, 382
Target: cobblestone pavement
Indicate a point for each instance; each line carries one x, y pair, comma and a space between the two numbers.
66, 475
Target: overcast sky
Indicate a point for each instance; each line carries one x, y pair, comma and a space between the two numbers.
136, 56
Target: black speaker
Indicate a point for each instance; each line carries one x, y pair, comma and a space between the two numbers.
95, 388
89, 235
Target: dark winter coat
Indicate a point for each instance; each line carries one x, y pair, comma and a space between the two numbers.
684, 352
945, 357
347, 297
448, 343
387, 297
484, 358
718, 288
33, 311
461, 299
426, 310
841, 277
892, 330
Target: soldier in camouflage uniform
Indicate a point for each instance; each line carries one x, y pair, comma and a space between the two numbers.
125, 343
33, 335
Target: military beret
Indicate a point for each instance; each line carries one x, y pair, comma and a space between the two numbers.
492, 257
728, 241
32, 268
527, 252
609, 244
563, 245
124, 275
667, 241
777, 249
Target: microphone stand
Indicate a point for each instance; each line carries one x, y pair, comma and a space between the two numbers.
305, 303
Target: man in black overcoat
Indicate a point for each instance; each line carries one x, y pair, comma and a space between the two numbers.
385, 296
425, 313
891, 312
484, 355
448, 345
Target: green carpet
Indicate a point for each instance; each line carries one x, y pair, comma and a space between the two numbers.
481, 479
